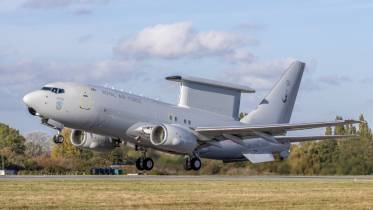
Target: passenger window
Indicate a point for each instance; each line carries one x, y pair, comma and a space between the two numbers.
189, 122
175, 119
170, 117
185, 121
61, 91
54, 90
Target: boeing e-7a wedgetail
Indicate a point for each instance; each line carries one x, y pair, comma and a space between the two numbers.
205, 123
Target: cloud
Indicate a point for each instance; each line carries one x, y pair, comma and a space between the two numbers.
334, 80
57, 4
26, 75
181, 40
19, 76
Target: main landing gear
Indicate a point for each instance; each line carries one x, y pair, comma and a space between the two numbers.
192, 163
143, 162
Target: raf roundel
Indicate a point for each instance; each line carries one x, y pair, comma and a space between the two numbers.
59, 105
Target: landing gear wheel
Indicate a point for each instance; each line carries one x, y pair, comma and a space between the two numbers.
58, 139
195, 163
148, 164
187, 165
139, 164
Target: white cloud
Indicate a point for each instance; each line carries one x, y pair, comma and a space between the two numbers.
180, 40
18, 77
55, 4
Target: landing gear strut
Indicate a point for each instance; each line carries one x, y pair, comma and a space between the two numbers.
143, 162
58, 138
192, 163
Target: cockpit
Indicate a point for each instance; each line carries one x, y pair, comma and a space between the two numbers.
54, 90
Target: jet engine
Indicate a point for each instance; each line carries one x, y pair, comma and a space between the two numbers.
173, 138
92, 141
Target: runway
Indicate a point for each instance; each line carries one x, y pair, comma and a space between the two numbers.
184, 178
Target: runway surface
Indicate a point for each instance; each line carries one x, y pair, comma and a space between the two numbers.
187, 178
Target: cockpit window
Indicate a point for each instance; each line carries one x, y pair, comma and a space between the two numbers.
54, 90
46, 88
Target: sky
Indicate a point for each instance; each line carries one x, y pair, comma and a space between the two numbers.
133, 45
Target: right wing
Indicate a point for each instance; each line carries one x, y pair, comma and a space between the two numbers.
292, 139
270, 129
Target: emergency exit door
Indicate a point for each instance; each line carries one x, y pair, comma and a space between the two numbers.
86, 99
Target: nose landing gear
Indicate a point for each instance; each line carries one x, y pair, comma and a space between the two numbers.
58, 138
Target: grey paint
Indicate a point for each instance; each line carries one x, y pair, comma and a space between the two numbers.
207, 82
210, 98
119, 114
278, 105
218, 97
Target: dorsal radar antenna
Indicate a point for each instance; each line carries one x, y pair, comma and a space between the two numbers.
214, 96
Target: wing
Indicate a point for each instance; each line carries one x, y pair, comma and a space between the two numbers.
259, 130
292, 139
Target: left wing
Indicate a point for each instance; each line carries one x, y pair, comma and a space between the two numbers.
258, 130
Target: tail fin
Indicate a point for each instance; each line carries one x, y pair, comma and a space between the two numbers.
278, 105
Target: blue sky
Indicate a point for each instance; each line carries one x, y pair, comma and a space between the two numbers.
133, 45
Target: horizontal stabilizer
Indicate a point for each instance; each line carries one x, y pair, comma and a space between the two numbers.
259, 158
291, 139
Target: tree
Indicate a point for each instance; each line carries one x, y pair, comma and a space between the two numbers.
33, 150
11, 138
328, 131
66, 149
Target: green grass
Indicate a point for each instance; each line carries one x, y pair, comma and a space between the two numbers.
122, 194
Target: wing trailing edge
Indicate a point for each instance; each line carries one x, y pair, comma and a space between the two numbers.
271, 129
293, 139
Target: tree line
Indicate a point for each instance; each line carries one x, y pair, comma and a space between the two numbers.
350, 156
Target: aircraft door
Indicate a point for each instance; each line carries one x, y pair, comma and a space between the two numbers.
86, 101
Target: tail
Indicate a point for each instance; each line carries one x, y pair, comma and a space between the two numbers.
278, 106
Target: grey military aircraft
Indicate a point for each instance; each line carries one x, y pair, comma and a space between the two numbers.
204, 124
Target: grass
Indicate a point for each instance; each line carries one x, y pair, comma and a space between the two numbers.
165, 194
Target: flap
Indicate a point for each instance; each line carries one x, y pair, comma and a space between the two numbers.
259, 158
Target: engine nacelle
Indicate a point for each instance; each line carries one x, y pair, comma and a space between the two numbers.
173, 138
92, 141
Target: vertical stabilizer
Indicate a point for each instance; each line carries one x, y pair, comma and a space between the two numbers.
278, 105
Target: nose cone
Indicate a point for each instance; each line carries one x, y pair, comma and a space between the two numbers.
30, 99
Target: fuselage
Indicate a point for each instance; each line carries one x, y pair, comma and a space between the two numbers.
110, 112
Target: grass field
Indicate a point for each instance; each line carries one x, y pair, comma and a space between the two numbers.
184, 194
